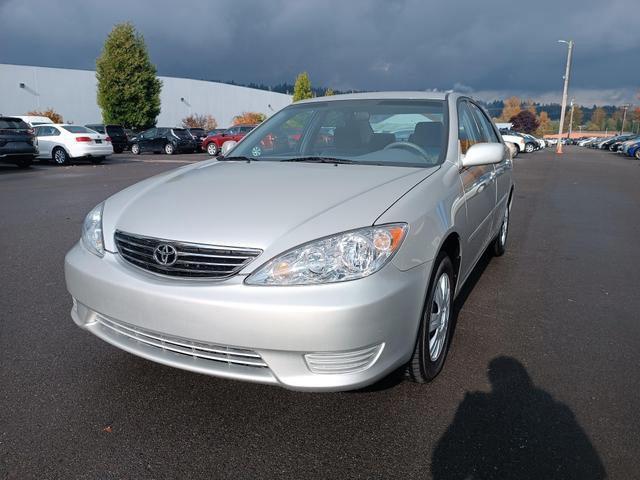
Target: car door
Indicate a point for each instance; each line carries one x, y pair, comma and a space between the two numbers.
502, 169
146, 140
479, 191
47, 137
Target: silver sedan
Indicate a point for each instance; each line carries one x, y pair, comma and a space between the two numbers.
322, 252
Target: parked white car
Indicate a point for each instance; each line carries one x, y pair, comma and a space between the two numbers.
515, 139
34, 120
62, 142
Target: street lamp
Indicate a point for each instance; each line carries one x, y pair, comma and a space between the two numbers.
571, 119
565, 92
624, 117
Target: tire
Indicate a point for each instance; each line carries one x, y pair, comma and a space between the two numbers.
430, 350
528, 148
212, 149
97, 160
24, 163
135, 149
60, 156
637, 154
169, 149
500, 242
118, 150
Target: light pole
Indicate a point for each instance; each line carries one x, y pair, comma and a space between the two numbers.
624, 117
571, 119
565, 92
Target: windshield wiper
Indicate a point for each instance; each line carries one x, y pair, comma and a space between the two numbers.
333, 160
241, 158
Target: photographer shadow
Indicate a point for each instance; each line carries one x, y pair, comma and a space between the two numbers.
515, 431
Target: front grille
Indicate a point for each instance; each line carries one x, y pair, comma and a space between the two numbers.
221, 354
191, 260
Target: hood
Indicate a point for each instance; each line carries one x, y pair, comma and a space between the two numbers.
265, 205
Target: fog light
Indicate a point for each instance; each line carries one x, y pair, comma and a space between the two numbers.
352, 361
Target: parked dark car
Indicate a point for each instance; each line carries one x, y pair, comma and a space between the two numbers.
17, 142
162, 139
198, 134
115, 132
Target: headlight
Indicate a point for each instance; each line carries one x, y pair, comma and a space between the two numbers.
92, 237
338, 258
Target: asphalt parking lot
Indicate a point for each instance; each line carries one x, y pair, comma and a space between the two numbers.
542, 379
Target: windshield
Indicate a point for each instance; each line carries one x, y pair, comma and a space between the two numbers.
77, 129
376, 132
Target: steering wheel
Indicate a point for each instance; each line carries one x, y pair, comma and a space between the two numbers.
408, 146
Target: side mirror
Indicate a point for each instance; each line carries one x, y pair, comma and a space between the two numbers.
227, 146
483, 154
512, 148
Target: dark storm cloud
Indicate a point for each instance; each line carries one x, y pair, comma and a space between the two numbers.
497, 46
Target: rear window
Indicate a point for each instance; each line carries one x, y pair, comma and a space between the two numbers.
197, 131
97, 128
13, 123
181, 133
115, 130
76, 129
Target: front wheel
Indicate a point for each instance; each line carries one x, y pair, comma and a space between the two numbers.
435, 328
169, 149
529, 148
212, 149
135, 149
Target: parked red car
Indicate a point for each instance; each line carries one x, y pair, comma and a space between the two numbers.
213, 143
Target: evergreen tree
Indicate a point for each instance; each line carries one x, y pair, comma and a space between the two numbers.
302, 88
128, 88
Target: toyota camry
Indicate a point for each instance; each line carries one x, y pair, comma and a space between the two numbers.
322, 252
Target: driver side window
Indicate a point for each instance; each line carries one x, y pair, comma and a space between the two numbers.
468, 132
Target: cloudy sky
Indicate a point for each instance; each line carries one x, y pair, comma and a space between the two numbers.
491, 48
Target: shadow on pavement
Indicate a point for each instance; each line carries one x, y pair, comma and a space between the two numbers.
516, 431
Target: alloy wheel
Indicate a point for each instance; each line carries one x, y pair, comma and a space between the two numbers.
212, 149
439, 319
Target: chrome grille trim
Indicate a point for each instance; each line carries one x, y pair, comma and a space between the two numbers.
195, 261
220, 354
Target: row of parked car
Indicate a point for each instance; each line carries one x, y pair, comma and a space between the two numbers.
25, 138
625, 144
524, 142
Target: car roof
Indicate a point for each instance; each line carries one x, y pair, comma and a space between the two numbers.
417, 95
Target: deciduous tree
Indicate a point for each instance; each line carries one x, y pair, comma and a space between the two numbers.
544, 124
525, 121
195, 120
302, 88
328, 92
50, 113
598, 119
577, 118
511, 109
128, 88
249, 118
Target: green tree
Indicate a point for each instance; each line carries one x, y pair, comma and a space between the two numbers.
128, 87
328, 92
302, 88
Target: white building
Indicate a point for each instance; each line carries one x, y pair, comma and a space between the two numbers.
72, 93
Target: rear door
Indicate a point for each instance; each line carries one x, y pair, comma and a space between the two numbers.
146, 139
48, 137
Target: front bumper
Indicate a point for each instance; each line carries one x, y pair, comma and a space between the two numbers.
172, 322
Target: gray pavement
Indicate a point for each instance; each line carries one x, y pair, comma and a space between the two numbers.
542, 379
